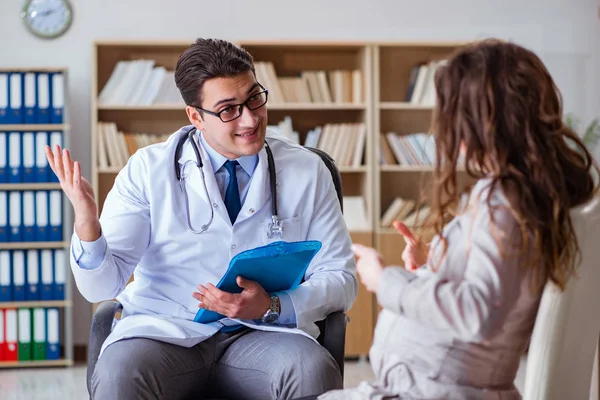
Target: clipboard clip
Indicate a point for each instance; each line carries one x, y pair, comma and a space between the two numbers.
275, 228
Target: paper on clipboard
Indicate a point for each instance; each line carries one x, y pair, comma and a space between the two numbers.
277, 266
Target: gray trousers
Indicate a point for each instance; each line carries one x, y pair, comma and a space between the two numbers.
245, 364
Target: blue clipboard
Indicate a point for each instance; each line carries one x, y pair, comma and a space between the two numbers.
277, 266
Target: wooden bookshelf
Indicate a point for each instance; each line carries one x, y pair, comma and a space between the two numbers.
289, 60
64, 306
398, 110
292, 60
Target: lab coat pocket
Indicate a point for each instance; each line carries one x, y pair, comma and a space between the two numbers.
292, 231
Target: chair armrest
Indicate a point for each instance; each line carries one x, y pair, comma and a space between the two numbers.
101, 327
333, 336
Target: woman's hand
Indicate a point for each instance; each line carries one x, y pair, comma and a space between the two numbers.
369, 266
415, 252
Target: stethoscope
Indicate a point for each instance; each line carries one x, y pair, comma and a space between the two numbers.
275, 227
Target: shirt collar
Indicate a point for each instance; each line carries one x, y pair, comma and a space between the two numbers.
248, 163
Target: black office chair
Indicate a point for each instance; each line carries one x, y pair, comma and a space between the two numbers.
333, 328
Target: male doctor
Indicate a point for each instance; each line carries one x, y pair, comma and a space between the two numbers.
265, 349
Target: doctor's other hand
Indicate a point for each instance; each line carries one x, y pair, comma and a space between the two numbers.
369, 266
415, 252
252, 303
78, 190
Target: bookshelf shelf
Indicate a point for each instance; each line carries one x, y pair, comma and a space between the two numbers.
34, 127
272, 106
32, 245
36, 304
37, 364
30, 186
402, 105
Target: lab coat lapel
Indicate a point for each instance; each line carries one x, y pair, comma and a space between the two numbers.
194, 181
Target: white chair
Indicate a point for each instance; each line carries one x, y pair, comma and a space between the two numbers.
561, 357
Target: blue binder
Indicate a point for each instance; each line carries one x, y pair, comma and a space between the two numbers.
4, 157
57, 90
5, 276
276, 267
4, 213
18, 275
4, 98
29, 98
15, 90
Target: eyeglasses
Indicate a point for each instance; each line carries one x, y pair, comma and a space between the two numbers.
232, 112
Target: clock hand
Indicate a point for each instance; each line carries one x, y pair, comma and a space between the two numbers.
48, 12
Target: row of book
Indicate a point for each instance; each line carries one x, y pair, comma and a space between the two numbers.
312, 86
140, 82
23, 156
411, 149
404, 210
115, 147
33, 275
29, 334
344, 142
31, 216
35, 97
421, 86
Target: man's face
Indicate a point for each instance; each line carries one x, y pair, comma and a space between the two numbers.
243, 136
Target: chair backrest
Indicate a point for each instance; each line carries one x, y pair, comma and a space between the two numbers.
565, 336
335, 173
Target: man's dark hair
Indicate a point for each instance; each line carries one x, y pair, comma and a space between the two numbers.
206, 59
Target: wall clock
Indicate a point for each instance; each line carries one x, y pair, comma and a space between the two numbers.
47, 18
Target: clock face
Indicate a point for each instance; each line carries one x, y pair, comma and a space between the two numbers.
47, 18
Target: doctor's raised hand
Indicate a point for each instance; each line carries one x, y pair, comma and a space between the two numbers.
78, 190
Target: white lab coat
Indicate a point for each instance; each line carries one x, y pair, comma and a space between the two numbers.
144, 223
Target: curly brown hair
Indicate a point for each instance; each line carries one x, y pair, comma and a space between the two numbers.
499, 109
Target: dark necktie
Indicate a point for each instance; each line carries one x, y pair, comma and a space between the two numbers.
232, 194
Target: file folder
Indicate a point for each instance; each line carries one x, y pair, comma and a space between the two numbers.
30, 98
56, 227
55, 139
43, 98
41, 216
47, 275
10, 338
15, 157
4, 227
29, 229
3, 157
39, 334
52, 335
15, 217
33, 276
18, 275
25, 338
60, 274
28, 145
276, 267
15, 89
5, 272
58, 97
2, 342
41, 162
4, 98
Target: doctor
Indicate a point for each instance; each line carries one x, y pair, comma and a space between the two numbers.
175, 217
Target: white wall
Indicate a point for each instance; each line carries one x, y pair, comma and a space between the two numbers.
565, 33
